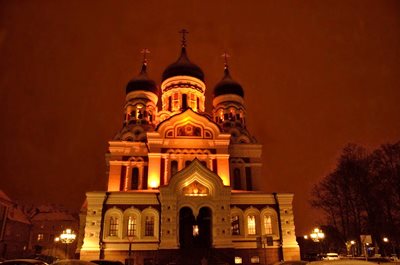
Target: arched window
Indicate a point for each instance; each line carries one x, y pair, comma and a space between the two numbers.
187, 163
135, 178
236, 179
112, 223
267, 225
174, 167
175, 102
235, 225
131, 226
114, 226
149, 226
251, 225
269, 222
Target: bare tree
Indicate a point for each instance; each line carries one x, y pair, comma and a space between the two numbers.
362, 194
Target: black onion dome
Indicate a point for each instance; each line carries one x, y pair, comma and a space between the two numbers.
142, 82
228, 86
183, 66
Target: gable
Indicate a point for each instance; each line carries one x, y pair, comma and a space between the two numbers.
188, 125
195, 180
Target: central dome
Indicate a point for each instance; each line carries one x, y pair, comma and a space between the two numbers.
183, 66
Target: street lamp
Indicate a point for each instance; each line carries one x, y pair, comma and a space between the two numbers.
130, 239
67, 237
386, 240
56, 240
317, 235
352, 242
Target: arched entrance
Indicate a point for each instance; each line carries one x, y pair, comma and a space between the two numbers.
195, 232
186, 222
204, 225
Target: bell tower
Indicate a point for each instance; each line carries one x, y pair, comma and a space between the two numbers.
228, 106
140, 110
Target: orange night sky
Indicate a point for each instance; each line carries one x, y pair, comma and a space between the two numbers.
316, 75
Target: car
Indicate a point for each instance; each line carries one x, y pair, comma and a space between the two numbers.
292, 262
107, 262
73, 262
24, 262
342, 262
331, 256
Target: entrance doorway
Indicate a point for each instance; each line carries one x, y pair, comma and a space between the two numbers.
195, 232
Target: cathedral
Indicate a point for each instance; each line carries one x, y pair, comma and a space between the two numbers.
182, 182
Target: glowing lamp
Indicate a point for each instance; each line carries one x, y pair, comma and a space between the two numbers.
317, 235
153, 184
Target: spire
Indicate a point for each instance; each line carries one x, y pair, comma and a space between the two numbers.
183, 66
227, 85
142, 81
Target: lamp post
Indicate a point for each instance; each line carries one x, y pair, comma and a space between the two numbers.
386, 240
130, 239
317, 236
67, 237
56, 240
353, 243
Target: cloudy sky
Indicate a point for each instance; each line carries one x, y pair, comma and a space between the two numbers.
316, 74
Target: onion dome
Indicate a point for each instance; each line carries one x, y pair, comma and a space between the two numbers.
142, 82
183, 66
228, 86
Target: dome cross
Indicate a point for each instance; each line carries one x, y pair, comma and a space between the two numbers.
183, 32
226, 56
144, 51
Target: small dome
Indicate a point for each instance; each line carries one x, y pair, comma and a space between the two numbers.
228, 86
142, 82
183, 66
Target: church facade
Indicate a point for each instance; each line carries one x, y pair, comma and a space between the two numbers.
182, 183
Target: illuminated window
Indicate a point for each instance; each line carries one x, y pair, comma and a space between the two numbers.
267, 225
39, 237
251, 225
235, 225
175, 102
139, 111
131, 226
193, 102
255, 259
238, 260
149, 226
221, 115
114, 222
